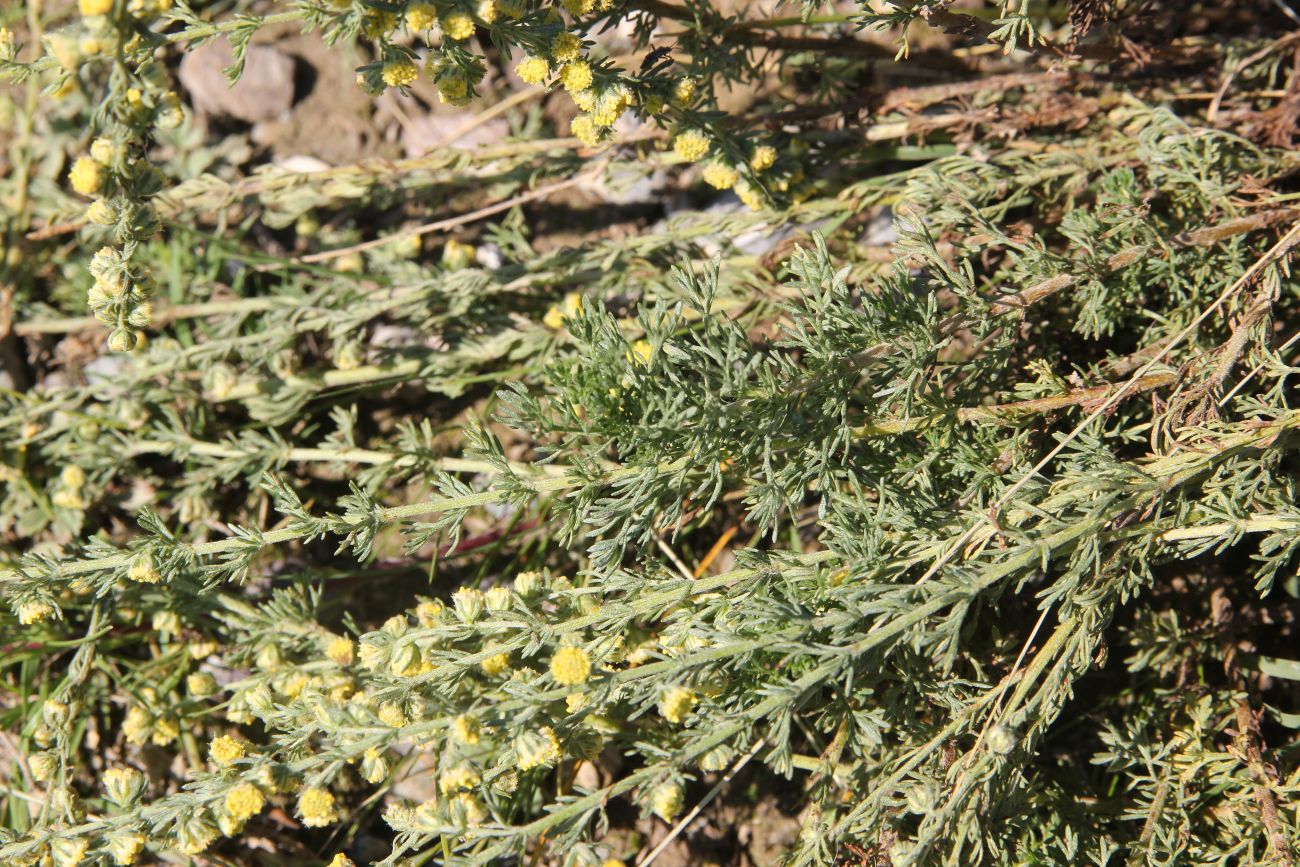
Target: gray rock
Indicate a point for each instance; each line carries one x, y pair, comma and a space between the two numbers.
264, 92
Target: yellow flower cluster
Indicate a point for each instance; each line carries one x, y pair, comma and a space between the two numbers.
684, 92
676, 703
764, 158
225, 750
340, 650
537, 749
69, 495
566, 47
421, 16
570, 307
123, 785
142, 569
458, 779
667, 800
244, 801
466, 729
34, 611
316, 807
392, 715
94, 7
495, 664
458, 25
691, 145
576, 76
400, 72
720, 176
571, 666
86, 176
533, 70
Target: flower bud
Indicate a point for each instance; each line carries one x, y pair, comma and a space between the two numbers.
667, 800
55, 713
166, 623
374, 767
122, 340
259, 699
468, 602
201, 684
123, 786
1001, 739
125, 846
43, 765
269, 658
536, 749
142, 569
528, 584
717, 759
497, 599
101, 213
69, 851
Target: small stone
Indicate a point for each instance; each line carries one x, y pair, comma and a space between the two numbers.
264, 92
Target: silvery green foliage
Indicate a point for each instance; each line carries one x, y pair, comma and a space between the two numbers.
953, 650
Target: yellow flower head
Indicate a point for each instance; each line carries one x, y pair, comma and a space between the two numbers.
577, 8
453, 90
86, 176
720, 176
457, 779
34, 612
123, 785
341, 860
585, 99
125, 846
764, 158
421, 16
137, 725
340, 650
495, 664
570, 666
466, 809
641, 352
751, 196
316, 807
691, 145
684, 91
69, 851
570, 307
101, 213
666, 801
458, 25
498, 599
576, 76
566, 47
533, 70
537, 749
399, 73
676, 703
244, 801
165, 730
486, 11
391, 715
377, 23
94, 7
611, 105
466, 729
429, 612
143, 570
585, 130
225, 750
